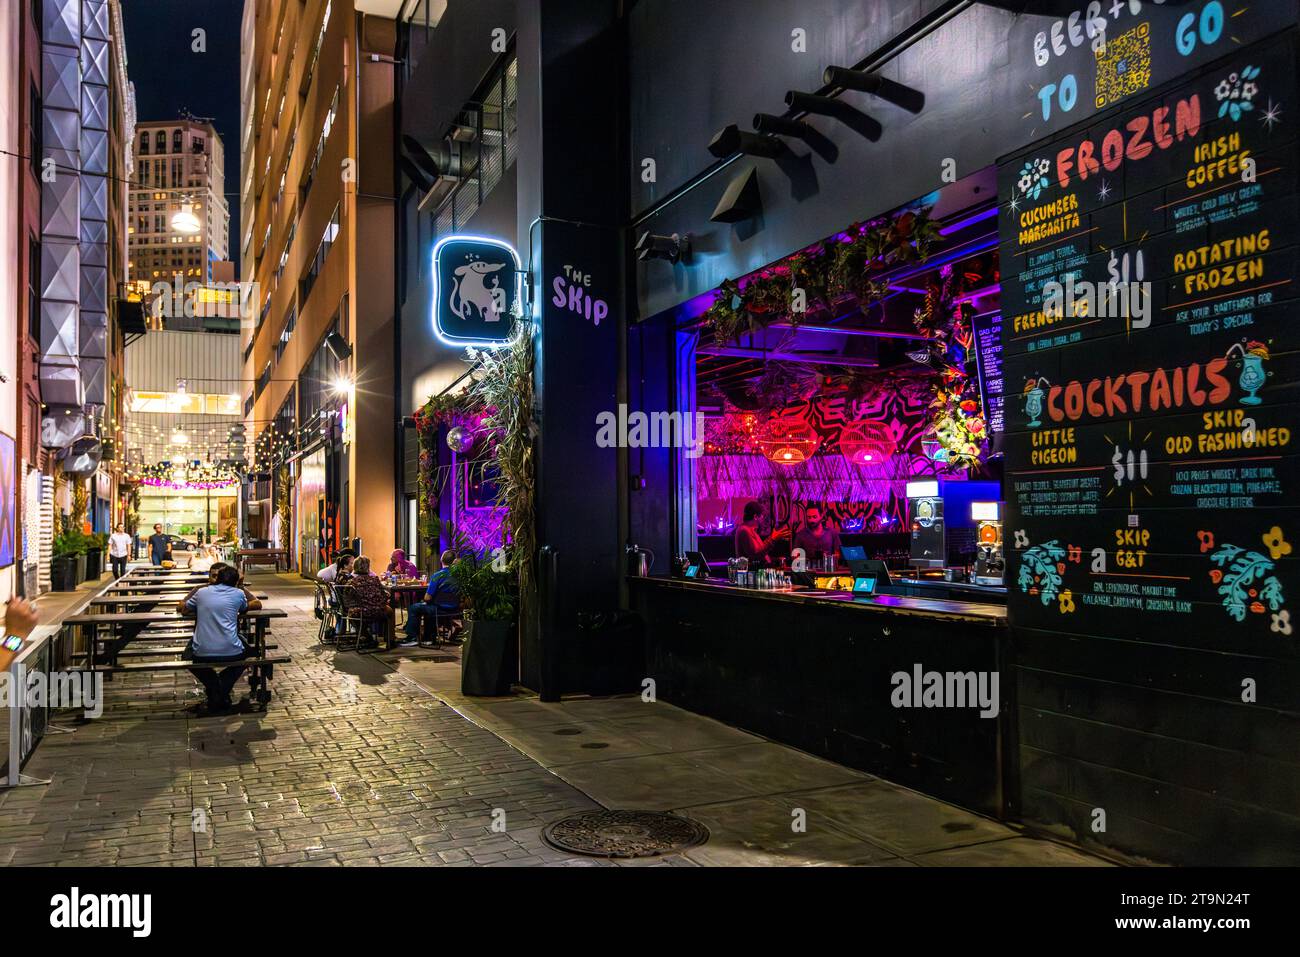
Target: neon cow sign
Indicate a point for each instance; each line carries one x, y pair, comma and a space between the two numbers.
475, 291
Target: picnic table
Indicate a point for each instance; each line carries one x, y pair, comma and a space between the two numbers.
260, 556
122, 628
120, 602
144, 587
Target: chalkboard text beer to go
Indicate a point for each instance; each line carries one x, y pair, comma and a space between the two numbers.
475, 291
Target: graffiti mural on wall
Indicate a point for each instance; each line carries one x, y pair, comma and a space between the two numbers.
860, 493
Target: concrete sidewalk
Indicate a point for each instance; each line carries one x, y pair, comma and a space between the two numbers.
623, 752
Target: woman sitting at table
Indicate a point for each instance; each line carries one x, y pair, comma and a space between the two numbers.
402, 567
216, 609
204, 558
366, 597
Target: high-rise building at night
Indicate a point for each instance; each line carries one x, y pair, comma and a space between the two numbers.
180, 166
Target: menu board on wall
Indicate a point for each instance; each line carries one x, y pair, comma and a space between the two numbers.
1150, 335
987, 330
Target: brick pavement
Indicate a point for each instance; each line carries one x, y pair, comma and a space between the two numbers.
352, 764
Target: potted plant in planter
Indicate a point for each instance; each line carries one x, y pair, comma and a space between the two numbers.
491, 601
95, 547
63, 566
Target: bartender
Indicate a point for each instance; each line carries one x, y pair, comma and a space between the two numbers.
749, 541
816, 538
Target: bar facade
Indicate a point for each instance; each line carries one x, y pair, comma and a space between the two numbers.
1114, 562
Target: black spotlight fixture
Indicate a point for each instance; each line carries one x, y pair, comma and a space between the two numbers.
732, 139
904, 96
671, 249
846, 113
770, 125
338, 347
742, 199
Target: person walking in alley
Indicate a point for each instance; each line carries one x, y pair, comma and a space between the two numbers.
119, 550
160, 548
216, 609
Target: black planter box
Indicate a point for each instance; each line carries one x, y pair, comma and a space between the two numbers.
63, 573
94, 563
487, 665
81, 568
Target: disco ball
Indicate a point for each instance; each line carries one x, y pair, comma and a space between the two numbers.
460, 439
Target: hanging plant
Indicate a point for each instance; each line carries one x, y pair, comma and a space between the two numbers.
847, 266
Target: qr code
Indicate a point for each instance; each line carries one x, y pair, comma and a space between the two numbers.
1124, 65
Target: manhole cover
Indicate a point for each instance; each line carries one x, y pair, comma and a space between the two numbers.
624, 833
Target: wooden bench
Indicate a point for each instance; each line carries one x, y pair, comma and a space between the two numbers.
261, 667
168, 650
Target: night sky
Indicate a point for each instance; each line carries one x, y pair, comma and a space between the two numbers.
170, 77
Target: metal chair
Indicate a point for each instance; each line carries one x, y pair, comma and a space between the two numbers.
442, 618
327, 612
351, 625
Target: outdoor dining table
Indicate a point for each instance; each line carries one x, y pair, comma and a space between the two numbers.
405, 592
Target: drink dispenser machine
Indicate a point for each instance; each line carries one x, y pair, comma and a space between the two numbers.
929, 541
990, 562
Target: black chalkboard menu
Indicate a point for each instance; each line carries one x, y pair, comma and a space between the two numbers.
987, 332
1149, 333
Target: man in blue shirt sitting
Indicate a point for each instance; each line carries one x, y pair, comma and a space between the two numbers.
216, 609
440, 598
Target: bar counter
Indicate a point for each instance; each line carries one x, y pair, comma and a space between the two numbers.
980, 613
815, 671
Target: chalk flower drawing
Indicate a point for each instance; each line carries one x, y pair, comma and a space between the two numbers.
1236, 94
1246, 582
1040, 571
1033, 178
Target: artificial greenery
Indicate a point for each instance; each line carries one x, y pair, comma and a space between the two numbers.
451, 408
498, 400
502, 384
849, 266
957, 420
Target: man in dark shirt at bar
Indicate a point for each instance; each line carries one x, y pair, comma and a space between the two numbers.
753, 546
816, 538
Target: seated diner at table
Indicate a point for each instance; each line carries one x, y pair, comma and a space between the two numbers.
401, 566
340, 565
216, 609
204, 558
441, 597
366, 597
